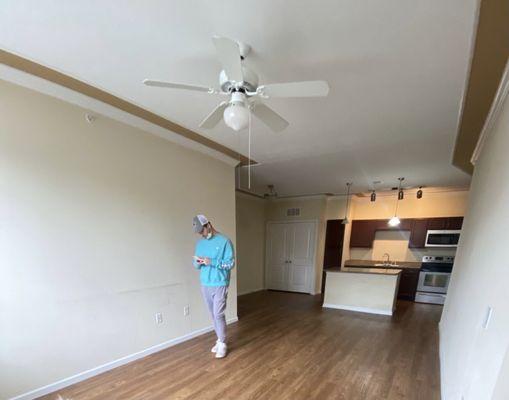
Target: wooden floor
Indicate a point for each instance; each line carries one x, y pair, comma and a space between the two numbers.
286, 346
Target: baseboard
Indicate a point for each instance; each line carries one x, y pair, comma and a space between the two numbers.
440, 359
112, 364
250, 291
358, 309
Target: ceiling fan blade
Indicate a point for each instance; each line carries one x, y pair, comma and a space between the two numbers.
295, 89
211, 120
196, 88
228, 52
269, 117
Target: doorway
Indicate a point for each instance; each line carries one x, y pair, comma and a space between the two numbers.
333, 253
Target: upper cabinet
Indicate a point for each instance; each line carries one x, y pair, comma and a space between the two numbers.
454, 223
418, 233
363, 231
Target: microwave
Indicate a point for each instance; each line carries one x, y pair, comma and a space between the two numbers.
442, 238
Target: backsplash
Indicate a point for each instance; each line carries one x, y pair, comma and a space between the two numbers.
396, 244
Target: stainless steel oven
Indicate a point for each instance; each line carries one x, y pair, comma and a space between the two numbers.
442, 238
434, 279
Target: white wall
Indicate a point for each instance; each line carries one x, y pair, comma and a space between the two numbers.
250, 213
471, 357
95, 238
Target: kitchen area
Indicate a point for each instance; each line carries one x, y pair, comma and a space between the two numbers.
411, 261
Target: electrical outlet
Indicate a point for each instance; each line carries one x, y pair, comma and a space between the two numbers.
186, 311
159, 318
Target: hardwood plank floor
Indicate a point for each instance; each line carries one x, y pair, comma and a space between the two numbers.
285, 346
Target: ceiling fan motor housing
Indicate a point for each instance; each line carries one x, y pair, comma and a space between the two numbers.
249, 84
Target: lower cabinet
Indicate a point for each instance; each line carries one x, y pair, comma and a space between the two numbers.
408, 280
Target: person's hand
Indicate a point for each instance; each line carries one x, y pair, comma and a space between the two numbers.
205, 260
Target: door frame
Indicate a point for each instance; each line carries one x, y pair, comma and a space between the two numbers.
312, 283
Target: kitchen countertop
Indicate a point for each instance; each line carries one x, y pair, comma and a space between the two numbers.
371, 264
375, 271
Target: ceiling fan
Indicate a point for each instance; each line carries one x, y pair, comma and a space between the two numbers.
240, 84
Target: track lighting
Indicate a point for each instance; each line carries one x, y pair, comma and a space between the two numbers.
419, 193
373, 196
395, 221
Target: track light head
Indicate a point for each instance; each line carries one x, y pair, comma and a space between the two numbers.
373, 196
419, 193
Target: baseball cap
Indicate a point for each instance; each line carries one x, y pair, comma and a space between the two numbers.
199, 221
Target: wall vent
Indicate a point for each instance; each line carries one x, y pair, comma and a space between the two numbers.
293, 212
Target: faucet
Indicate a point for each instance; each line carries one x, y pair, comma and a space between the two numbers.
388, 261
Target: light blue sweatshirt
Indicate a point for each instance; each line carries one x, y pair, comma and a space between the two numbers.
220, 251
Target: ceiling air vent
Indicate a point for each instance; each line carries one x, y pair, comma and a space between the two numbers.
293, 212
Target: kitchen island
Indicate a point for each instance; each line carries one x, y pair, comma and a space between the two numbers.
369, 290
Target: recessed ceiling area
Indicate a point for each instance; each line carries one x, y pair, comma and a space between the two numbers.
397, 73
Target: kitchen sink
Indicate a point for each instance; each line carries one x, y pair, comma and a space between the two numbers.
386, 265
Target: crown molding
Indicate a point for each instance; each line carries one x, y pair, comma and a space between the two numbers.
493, 115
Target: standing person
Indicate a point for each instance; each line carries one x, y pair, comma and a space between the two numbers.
214, 258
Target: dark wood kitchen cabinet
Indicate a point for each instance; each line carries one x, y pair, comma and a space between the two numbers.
437, 224
454, 223
418, 233
363, 233
408, 280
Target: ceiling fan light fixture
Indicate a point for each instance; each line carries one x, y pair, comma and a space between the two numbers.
236, 116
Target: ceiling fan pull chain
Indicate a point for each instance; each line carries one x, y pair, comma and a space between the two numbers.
239, 165
249, 152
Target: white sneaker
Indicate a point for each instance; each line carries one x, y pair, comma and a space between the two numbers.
221, 350
214, 349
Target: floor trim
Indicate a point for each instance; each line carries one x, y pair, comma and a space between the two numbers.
358, 309
250, 291
440, 360
52, 387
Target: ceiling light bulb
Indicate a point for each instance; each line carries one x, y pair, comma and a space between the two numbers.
394, 221
236, 116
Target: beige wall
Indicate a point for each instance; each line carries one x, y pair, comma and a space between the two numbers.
471, 356
250, 213
438, 204
95, 238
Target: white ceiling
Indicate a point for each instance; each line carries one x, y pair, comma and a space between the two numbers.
396, 68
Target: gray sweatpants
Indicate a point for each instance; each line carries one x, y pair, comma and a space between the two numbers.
215, 298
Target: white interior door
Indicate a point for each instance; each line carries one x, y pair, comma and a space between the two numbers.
301, 256
277, 258
290, 256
